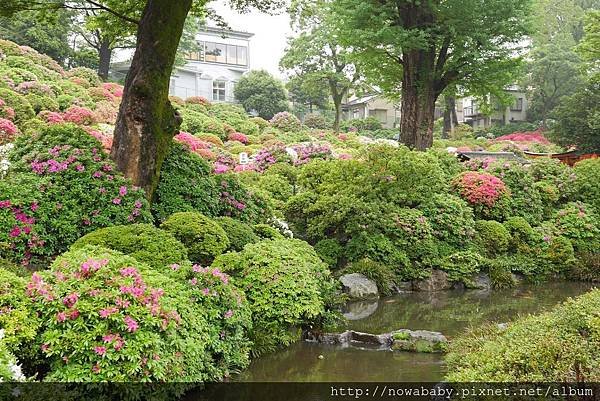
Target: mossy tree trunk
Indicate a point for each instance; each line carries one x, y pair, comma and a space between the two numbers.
147, 121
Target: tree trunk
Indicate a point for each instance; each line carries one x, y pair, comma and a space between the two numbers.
147, 121
418, 99
337, 103
104, 55
450, 118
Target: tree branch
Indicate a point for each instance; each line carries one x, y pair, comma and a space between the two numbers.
113, 12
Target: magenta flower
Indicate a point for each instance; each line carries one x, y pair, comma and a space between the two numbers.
116, 201
15, 232
61, 317
132, 325
104, 313
174, 266
70, 300
123, 191
100, 350
228, 314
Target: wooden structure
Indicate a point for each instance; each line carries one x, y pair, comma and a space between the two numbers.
465, 156
570, 158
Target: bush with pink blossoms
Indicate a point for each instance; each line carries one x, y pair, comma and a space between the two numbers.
271, 155
197, 100
531, 136
311, 151
238, 136
51, 117
193, 143
61, 185
483, 191
79, 115
5, 111
8, 131
108, 317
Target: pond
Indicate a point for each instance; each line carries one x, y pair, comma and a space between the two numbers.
449, 312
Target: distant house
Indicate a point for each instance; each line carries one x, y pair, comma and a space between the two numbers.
372, 105
516, 112
212, 71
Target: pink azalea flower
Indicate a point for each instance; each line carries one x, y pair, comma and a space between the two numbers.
100, 350
123, 191
61, 317
132, 325
228, 314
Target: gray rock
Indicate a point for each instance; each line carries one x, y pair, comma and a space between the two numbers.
481, 281
518, 278
502, 326
438, 281
418, 341
404, 286
357, 286
360, 309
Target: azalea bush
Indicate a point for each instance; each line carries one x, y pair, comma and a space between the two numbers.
486, 193
108, 317
238, 233
286, 121
8, 131
61, 186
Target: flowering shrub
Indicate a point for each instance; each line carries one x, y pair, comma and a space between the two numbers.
311, 151
51, 117
107, 317
451, 219
10, 371
587, 185
8, 131
106, 112
286, 284
5, 111
193, 143
271, 155
215, 140
482, 190
79, 115
196, 123
84, 76
286, 122
203, 237
531, 136
260, 122
60, 187
238, 136
239, 202
144, 242
315, 121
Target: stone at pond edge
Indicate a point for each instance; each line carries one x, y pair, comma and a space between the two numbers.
438, 281
358, 286
418, 341
481, 281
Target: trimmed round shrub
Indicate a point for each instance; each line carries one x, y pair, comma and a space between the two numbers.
79, 115
202, 236
40, 103
315, 121
556, 346
90, 76
185, 185
17, 321
197, 123
18, 103
108, 317
144, 242
522, 235
238, 233
492, 237
461, 266
286, 284
587, 184
451, 219
286, 122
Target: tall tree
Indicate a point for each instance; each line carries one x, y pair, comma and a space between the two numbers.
316, 54
261, 92
307, 93
417, 48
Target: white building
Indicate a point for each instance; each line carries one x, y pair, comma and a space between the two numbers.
372, 105
516, 112
211, 72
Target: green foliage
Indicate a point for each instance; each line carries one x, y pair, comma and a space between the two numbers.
18, 102
185, 185
287, 286
522, 235
112, 318
492, 237
17, 321
555, 346
330, 252
451, 219
238, 233
368, 125
144, 242
579, 222
260, 91
265, 231
286, 122
500, 274
587, 185
203, 237
462, 266
195, 122
383, 276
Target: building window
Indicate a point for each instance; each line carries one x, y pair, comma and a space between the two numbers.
518, 105
220, 53
219, 91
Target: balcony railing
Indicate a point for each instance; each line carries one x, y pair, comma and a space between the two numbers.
471, 111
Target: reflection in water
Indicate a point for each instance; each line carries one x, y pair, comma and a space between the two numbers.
449, 312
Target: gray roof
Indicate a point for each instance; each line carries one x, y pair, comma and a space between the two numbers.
491, 155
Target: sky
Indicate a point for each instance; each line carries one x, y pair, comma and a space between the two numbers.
270, 35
